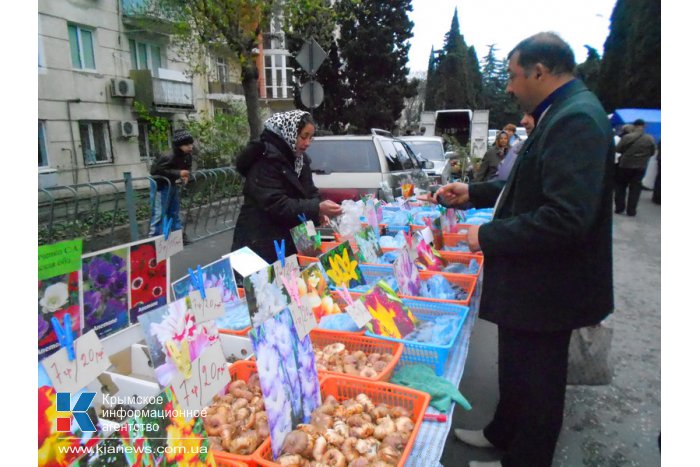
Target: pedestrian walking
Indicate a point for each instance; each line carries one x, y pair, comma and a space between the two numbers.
635, 147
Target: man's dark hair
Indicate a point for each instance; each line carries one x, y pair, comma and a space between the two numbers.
305, 120
639, 122
548, 49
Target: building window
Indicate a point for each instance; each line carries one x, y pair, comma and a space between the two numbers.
81, 47
144, 143
43, 152
145, 56
95, 140
221, 70
278, 77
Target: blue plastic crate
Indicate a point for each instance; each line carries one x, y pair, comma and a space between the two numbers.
394, 229
420, 352
370, 272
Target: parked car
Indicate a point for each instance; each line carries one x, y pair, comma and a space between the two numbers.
521, 132
492, 136
349, 166
431, 148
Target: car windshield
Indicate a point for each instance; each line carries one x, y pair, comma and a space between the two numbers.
431, 150
328, 156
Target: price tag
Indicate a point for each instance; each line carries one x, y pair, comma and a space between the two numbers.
290, 269
167, 248
209, 376
303, 316
358, 312
90, 361
206, 309
427, 235
310, 229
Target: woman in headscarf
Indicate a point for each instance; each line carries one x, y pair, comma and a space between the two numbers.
278, 186
488, 168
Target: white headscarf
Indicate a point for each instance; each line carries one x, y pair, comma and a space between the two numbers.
286, 125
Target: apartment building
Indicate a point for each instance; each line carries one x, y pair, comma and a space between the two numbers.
96, 58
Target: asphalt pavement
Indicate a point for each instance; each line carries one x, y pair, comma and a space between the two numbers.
604, 426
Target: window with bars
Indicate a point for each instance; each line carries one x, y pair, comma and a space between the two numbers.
221, 70
81, 47
145, 56
43, 152
95, 141
278, 76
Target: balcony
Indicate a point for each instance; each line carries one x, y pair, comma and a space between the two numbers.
170, 92
136, 15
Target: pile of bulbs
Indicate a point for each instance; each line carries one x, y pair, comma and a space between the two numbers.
337, 358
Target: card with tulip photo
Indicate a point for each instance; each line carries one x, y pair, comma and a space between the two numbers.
342, 267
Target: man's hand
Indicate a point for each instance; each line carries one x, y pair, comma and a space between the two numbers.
427, 197
329, 208
454, 194
185, 176
473, 238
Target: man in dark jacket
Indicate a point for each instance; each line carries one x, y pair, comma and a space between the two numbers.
169, 171
636, 148
278, 186
547, 251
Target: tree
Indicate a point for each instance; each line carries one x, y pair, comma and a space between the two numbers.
429, 82
630, 71
374, 47
456, 81
589, 71
236, 25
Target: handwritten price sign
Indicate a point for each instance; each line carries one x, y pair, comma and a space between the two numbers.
167, 248
206, 309
290, 269
90, 361
302, 316
359, 314
209, 376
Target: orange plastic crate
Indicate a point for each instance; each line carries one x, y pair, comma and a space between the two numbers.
344, 387
242, 369
355, 341
463, 257
466, 282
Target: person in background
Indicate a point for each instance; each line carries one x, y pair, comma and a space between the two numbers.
656, 196
278, 186
175, 166
635, 147
549, 241
493, 157
506, 164
512, 135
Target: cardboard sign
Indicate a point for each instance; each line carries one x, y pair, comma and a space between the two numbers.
209, 308
245, 261
359, 314
60, 258
209, 376
90, 361
303, 316
427, 235
310, 229
290, 269
167, 248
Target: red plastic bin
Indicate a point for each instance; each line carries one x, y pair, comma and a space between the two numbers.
355, 341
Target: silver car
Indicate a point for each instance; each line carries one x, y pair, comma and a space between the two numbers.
432, 149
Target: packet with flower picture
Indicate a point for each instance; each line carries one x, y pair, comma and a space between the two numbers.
342, 266
306, 239
217, 275
368, 248
174, 339
264, 296
148, 279
105, 286
390, 317
406, 273
314, 286
58, 296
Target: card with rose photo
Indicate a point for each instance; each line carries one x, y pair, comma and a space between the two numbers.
104, 300
58, 296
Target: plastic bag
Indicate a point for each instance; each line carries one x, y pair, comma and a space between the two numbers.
589, 351
338, 322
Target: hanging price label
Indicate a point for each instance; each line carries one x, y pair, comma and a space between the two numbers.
209, 308
358, 312
209, 376
90, 361
303, 316
290, 269
167, 248
310, 229
427, 235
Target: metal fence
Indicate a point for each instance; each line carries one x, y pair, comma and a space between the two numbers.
109, 213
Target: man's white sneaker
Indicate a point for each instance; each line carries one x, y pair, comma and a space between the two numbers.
474, 438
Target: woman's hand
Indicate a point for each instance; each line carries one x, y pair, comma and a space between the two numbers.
329, 208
